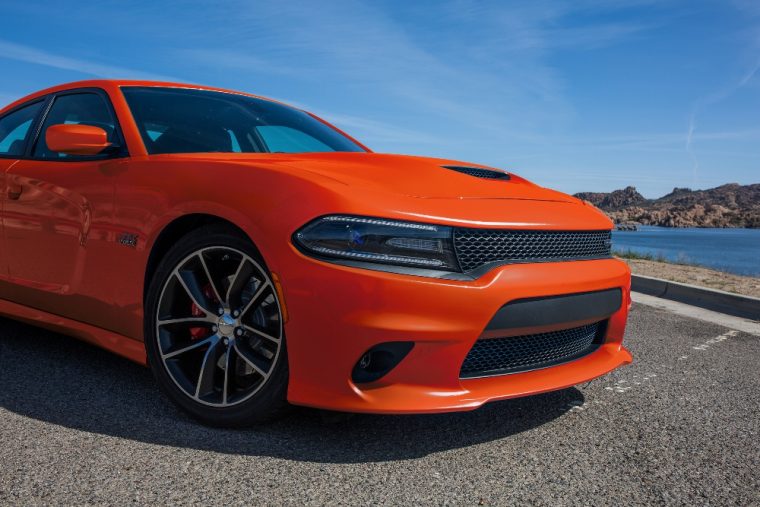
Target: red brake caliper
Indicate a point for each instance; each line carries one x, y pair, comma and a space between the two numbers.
199, 333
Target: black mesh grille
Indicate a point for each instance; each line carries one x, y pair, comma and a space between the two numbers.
479, 173
497, 356
476, 247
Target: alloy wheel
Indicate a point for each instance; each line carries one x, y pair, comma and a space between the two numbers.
219, 326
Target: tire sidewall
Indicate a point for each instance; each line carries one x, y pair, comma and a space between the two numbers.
263, 404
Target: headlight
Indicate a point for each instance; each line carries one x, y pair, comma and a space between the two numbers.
380, 241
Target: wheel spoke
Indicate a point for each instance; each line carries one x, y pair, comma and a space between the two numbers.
262, 334
232, 282
249, 358
206, 375
194, 292
193, 346
210, 279
253, 299
227, 367
186, 320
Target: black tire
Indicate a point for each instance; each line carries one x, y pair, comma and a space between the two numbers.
269, 399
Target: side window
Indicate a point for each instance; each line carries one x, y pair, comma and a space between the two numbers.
78, 108
15, 129
281, 139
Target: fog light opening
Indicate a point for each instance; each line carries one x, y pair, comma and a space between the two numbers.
379, 361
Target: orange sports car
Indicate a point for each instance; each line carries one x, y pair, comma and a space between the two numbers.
253, 255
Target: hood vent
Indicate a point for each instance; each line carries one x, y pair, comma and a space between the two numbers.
479, 172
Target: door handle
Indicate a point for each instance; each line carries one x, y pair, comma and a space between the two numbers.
14, 191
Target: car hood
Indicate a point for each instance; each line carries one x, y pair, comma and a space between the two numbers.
418, 177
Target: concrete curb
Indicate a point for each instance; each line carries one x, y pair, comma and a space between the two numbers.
710, 299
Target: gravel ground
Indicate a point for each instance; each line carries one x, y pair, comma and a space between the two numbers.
679, 426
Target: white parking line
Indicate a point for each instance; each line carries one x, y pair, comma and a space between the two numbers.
712, 341
624, 385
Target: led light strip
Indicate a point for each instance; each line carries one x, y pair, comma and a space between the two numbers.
377, 221
378, 257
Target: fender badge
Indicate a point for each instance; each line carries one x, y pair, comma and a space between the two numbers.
128, 239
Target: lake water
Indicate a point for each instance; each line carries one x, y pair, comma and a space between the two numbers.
731, 250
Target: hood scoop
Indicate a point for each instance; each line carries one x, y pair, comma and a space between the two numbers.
479, 172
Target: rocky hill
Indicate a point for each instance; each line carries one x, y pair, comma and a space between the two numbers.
730, 205
616, 200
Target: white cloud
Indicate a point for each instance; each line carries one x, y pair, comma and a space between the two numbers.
13, 51
223, 57
480, 65
709, 100
379, 132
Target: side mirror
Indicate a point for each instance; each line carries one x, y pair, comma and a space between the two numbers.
74, 139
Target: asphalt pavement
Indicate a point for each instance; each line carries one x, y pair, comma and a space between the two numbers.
679, 426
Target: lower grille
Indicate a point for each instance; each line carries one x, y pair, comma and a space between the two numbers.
498, 356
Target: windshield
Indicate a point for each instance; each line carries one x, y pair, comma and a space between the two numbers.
177, 120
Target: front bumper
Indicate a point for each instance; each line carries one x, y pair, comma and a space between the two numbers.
336, 313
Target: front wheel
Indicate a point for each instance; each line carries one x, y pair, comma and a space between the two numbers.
214, 331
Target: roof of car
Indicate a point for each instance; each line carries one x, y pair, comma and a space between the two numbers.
116, 83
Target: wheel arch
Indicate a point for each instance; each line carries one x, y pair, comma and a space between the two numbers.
176, 229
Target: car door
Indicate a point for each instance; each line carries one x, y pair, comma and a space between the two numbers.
57, 216
16, 127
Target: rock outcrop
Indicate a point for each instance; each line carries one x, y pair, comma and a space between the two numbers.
616, 200
730, 205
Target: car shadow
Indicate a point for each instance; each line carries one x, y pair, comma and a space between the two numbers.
59, 380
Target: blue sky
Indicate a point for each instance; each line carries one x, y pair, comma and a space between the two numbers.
578, 95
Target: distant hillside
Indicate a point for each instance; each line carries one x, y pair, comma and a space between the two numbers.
614, 200
730, 205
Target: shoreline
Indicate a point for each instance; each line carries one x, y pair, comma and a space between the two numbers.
725, 250
695, 275
701, 227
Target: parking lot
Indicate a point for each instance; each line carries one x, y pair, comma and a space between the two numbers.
681, 425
